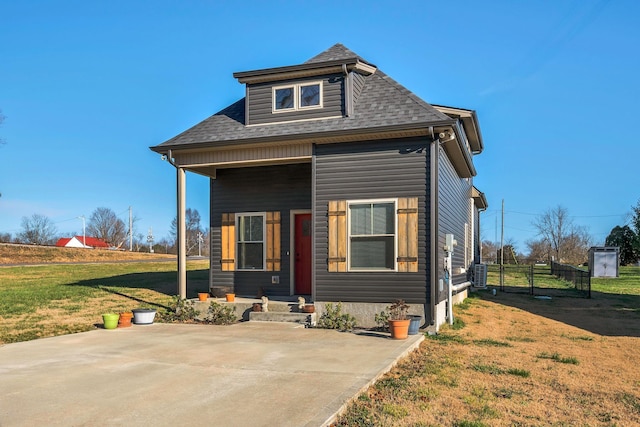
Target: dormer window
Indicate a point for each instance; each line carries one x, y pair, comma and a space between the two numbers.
297, 97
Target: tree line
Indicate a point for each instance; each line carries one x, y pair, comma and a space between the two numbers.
105, 225
560, 239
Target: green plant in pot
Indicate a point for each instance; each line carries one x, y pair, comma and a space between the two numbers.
398, 320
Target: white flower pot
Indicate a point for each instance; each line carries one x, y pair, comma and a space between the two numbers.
143, 316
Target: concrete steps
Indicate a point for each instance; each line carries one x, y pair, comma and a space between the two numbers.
281, 316
279, 311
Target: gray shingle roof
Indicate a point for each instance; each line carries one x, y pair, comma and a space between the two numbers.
382, 103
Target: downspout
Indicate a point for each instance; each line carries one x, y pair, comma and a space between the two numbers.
348, 99
433, 197
181, 227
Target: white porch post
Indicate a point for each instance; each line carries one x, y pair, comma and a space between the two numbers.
181, 234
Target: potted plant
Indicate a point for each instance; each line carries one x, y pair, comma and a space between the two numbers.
398, 320
143, 316
124, 321
110, 320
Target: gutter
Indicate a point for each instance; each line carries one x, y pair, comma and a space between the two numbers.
433, 196
315, 136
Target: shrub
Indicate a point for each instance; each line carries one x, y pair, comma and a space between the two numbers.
219, 314
180, 310
334, 318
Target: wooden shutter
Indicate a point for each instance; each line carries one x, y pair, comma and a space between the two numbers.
228, 242
273, 241
408, 234
337, 261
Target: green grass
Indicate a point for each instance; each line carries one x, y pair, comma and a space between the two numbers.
627, 284
557, 358
31, 296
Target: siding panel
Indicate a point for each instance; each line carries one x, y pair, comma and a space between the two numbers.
371, 170
260, 107
258, 189
453, 201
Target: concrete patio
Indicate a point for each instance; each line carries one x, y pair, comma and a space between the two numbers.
252, 373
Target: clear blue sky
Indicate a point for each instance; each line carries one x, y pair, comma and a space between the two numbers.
88, 86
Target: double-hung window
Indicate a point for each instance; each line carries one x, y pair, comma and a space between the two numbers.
372, 235
251, 241
297, 97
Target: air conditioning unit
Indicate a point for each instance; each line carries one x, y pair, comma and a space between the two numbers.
480, 276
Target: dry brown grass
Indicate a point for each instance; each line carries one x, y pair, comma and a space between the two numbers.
517, 361
28, 254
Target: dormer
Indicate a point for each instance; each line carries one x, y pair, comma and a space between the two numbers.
310, 91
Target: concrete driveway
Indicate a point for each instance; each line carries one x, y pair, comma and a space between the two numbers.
253, 374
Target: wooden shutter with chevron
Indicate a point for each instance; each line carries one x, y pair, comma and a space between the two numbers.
273, 241
408, 234
228, 242
337, 239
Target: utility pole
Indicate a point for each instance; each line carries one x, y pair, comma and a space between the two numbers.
200, 240
84, 232
150, 240
502, 250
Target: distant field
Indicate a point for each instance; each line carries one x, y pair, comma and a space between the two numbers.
29, 254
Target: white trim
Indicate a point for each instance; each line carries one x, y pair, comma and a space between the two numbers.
297, 93
264, 239
292, 247
395, 237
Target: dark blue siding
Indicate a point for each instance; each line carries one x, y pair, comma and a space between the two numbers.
258, 189
453, 204
261, 102
370, 170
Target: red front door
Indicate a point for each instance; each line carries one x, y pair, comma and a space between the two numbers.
302, 254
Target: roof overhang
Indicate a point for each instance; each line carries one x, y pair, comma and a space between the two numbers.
455, 146
470, 123
479, 199
310, 69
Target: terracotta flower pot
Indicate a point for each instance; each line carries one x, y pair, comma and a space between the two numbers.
110, 320
202, 296
309, 308
231, 297
124, 321
399, 329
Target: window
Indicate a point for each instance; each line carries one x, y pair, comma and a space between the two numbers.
251, 239
297, 97
372, 235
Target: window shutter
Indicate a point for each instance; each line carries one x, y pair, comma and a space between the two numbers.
273, 241
228, 242
408, 234
337, 261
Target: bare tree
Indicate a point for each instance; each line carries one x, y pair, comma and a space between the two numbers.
539, 250
567, 241
193, 230
37, 230
105, 224
490, 251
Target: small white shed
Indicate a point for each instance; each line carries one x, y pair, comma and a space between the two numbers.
604, 261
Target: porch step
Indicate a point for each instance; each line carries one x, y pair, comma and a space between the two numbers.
282, 316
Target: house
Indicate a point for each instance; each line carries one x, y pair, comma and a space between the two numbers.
82, 242
331, 180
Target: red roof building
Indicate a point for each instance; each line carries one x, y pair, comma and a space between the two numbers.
82, 242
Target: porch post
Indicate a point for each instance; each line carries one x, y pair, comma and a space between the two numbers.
181, 234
